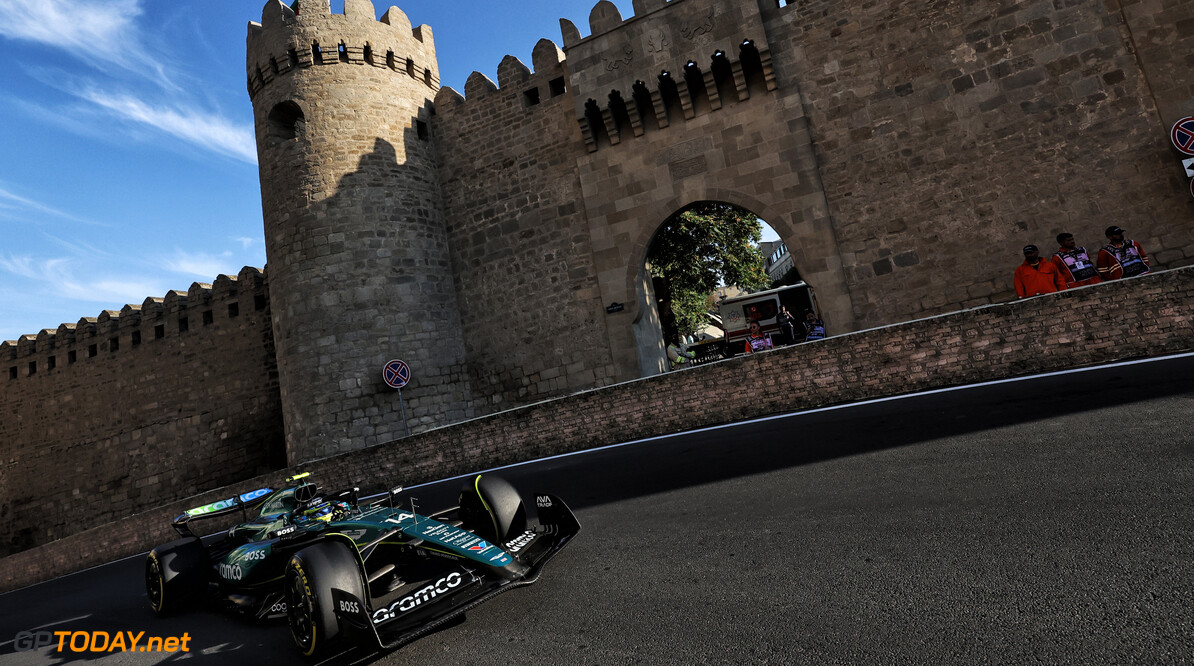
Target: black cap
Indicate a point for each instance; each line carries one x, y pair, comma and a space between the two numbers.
1029, 249
1112, 230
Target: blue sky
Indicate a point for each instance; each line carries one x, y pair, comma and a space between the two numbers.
126, 135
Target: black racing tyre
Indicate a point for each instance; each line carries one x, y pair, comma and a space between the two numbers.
493, 509
311, 575
175, 575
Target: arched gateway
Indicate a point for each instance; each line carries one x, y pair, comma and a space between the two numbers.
648, 326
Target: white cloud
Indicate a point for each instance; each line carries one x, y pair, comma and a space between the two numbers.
95, 31
58, 278
15, 202
245, 242
201, 264
211, 132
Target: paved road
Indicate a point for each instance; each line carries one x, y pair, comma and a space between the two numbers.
1036, 521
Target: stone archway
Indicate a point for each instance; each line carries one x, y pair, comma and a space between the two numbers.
651, 325
644, 333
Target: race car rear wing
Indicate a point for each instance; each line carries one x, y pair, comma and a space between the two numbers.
224, 507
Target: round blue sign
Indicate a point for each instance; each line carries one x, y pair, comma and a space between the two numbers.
396, 374
1182, 135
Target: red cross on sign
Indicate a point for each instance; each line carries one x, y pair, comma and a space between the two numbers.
1182, 135
396, 374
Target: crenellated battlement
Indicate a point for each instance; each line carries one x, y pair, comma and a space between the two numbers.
545, 81
310, 35
177, 312
658, 67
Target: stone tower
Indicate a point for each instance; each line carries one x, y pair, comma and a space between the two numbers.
358, 265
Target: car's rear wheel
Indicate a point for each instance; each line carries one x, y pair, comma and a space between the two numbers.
311, 575
175, 574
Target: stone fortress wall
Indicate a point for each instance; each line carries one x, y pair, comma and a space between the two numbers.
356, 242
122, 412
903, 151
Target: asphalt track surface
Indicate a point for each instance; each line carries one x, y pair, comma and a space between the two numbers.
1039, 521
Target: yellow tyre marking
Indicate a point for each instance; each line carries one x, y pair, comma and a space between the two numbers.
477, 486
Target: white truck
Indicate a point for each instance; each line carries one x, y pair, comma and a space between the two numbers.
763, 307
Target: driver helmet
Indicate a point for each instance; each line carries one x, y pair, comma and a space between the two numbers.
318, 511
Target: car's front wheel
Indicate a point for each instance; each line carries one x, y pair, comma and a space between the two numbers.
311, 575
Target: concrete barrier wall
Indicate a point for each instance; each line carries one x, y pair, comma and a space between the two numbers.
1143, 317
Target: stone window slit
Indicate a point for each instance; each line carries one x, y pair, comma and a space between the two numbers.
619, 113
752, 68
723, 76
292, 57
287, 121
390, 61
368, 54
410, 68
342, 52
670, 94
646, 108
596, 123
316, 53
557, 86
273, 64
695, 80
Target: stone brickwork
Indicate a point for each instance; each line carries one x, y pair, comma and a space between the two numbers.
132, 409
950, 134
534, 322
360, 271
1140, 317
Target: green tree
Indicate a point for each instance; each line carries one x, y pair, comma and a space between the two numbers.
705, 246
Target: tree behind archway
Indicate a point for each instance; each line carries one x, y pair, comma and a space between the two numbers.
701, 248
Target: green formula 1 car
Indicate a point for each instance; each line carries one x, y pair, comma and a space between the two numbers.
339, 569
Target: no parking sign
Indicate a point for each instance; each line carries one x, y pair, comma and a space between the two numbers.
396, 374
1182, 135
